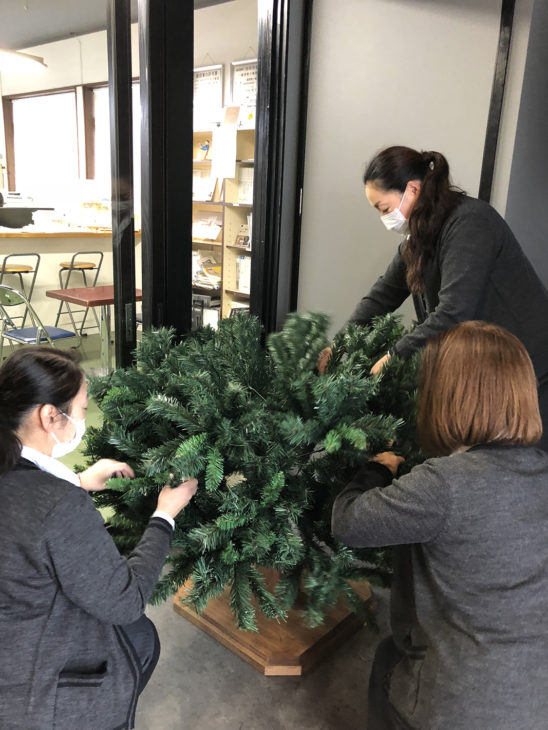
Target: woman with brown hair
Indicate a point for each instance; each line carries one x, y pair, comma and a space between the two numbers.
458, 260
469, 603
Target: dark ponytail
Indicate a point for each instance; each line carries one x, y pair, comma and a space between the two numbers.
392, 169
31, 377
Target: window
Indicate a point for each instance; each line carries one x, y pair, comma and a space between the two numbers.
45, 145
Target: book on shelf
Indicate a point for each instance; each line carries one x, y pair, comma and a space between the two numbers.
242, 237
243, 274
203, 184
207, 225
206, 310
250, 226
245, 185
237, 307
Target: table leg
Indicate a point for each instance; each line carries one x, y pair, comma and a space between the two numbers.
106, 359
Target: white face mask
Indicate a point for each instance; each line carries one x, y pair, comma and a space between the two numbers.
395, 220
62, 448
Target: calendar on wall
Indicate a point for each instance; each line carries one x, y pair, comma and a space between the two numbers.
208, 96
244, 90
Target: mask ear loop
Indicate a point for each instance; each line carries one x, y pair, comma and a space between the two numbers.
66, 415
51, 433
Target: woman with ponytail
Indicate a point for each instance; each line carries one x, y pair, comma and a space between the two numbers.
77, 649
458, 260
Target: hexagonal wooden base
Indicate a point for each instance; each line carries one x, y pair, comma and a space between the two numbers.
277, 649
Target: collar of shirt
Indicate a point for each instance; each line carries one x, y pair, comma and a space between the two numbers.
51, 465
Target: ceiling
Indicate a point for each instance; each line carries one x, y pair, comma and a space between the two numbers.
26, 23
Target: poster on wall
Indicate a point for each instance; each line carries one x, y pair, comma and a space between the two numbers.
208, 96
244, 90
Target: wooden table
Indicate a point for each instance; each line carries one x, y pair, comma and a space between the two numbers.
95, 296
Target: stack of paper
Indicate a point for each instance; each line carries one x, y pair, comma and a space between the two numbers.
206, 270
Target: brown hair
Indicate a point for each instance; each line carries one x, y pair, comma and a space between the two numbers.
476, 385
391, 169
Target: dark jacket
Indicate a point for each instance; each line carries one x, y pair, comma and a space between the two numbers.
64, 592
478, 272
470, 591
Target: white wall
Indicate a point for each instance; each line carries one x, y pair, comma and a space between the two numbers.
388, 72
225, 33
222, 33
79, 60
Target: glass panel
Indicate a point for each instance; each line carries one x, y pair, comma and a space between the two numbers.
225, 82
102, 145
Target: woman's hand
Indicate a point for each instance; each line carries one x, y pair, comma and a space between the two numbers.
95, 478
390, 460
323, 359
173, 500
378, 366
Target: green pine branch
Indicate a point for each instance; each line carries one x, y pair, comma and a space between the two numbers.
271, 443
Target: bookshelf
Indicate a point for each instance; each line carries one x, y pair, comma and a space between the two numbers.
221, 214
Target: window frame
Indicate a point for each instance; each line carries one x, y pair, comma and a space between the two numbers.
9, 129
85, 126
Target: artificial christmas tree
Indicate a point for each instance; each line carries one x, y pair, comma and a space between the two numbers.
271, 443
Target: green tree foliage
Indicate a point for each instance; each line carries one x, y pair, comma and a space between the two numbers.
271, 443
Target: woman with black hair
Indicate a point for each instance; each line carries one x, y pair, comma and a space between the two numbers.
458, 260
77, 649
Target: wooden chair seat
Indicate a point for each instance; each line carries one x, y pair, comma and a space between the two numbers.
14, 265
18, 268
77, 265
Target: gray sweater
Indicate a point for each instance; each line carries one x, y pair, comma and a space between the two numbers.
64, 592
479, 271
470, 590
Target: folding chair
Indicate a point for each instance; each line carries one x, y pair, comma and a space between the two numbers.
77, 265
35, 335
21, 269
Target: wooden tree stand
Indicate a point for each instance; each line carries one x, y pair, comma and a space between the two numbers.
277, 649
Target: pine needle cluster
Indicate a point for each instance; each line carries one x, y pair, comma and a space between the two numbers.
271, 443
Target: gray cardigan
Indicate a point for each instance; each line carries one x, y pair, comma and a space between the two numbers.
470, 590
64, 592
479, 271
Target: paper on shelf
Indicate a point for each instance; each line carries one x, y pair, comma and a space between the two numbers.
245, 185
207, 225
224, 143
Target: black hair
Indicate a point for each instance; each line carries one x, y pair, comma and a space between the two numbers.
31, 377
392, 169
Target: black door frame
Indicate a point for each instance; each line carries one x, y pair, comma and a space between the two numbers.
166, 59
121, 156
283, 67
497, 98
166, 39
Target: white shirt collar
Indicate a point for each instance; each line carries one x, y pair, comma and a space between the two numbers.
51, 465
